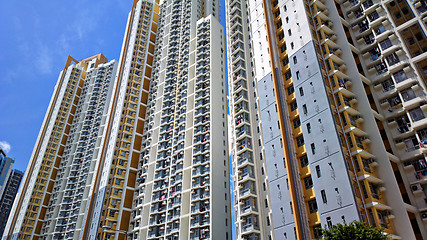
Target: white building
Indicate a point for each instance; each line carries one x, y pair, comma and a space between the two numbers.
251, 200
341, 96
183, 183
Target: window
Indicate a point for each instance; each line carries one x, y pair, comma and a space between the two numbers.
298, 75
313, 148
285, 61
293, 105
365, 193
392, 59
386, 44
422, 134
301, 91
312, 206
323, 193
388, 84
329, 221
308, 182
295, 58
304, 109
291, 90
292, 210
303, 160
300, 141
290, 34
283, 48
288, 75
400, 76
111, 213
308, 127
319, 174
411, 143
317, 231
296, 122
416, 114
408, 94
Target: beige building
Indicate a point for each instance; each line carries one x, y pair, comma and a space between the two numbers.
136, 148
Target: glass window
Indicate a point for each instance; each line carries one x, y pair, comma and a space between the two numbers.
323, 193
296, 122
304, 161
308, 182
293, 105
312, 206
400, 76
416, 114
408, 94
411, 143
386, 44
318, 172
300, 141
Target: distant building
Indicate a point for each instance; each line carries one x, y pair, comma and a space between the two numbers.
6, 164
11, 187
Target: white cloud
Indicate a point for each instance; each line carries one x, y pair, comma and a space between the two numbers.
5, 146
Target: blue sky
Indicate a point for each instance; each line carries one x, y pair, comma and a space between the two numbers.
37, 37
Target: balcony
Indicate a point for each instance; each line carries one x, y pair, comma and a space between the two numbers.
242, 161
249, 227
247, 209
245, 192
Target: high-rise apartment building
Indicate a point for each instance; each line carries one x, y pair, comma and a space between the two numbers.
8, 196
56, 185
251, 202
183, 183
136, 149
80, 162
6, 164
115, 189
9, 184
338, 92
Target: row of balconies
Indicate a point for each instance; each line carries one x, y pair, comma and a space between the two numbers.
199, 194
199, 233
201, 159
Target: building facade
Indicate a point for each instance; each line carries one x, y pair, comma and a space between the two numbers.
136, 139
340, 87
55, 187
8, 196
183, 183
68, 206
115, 188
251, 199
6, 165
